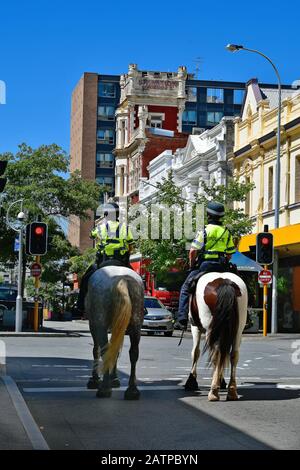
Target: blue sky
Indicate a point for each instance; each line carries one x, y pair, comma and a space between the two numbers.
47, 45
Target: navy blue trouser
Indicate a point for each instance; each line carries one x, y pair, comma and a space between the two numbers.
183, 308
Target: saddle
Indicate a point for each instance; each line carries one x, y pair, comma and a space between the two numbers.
112, 262
228, 267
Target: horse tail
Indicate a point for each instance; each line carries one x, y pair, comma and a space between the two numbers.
121, 314
224, 324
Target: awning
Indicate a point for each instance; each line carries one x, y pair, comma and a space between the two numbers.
244, 263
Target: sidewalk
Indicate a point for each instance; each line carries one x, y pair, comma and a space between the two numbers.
12, 432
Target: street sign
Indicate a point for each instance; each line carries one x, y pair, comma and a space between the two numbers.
36, 270
265, 277
17, 244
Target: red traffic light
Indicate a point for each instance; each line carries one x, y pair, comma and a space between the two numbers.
265, 241
39, 230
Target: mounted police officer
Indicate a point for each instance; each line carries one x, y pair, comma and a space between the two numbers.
210, 251
114, 242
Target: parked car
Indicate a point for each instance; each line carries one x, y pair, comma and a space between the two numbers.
157, 319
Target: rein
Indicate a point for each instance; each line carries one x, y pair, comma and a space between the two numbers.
180, 341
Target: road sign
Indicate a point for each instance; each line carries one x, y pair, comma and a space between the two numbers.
36, 270
17, 244
265, 277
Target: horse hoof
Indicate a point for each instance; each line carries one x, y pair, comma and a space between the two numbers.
93, 383
223, 385
232, 395
191, 384
103, 393
115, 383
213, 395
132, 394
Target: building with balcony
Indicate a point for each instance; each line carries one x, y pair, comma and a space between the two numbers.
254, 160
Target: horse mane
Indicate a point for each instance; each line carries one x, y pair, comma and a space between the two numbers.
224, 324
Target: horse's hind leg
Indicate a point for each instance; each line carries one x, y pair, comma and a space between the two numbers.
114, 379
93, 382
216, 378
191, 383
232, 390
132, 392
104, 389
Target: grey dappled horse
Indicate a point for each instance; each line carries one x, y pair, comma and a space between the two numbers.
114, 303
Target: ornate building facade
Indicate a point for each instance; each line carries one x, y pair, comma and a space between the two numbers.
148, 121
204, 159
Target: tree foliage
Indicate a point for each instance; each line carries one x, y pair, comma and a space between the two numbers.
165, 253
40, 178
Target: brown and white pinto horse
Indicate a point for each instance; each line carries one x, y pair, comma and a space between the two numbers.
219, 308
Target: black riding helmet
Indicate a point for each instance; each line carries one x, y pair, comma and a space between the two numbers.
111, 210
215, 209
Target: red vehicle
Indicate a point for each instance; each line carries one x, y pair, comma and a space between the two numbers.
165, 287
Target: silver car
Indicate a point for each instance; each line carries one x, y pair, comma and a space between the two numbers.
157, 319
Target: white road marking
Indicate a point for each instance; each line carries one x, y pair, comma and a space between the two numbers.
245, 365
248, 360
257, 358
274, 355
31, 428
154, 388
59, 365
79, 369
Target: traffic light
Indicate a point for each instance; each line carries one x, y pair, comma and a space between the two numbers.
3, 165
264, 248
36, 238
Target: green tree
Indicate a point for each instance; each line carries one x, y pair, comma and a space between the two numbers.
40, 177
167, 253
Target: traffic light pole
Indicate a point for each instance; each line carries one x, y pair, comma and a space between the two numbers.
265, 311
274, 325
36, 302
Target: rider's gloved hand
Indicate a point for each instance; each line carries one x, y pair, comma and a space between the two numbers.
181, 324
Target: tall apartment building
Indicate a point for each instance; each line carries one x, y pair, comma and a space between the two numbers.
94, 102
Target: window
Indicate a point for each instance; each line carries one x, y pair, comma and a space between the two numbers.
297, 178
106, 90
107, 181
191, 92
104, 160
238, 96
156, 120
270, 188
106, 113
105, 136
215, 95
214, 118
189, 117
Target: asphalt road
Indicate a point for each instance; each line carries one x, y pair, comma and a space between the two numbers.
51, 373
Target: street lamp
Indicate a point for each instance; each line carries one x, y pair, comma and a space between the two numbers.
236, 48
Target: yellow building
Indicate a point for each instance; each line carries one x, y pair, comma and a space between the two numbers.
254, 160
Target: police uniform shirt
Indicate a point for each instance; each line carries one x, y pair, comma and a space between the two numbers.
219, 241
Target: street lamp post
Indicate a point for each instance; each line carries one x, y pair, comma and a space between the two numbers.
18, 227
235, 48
